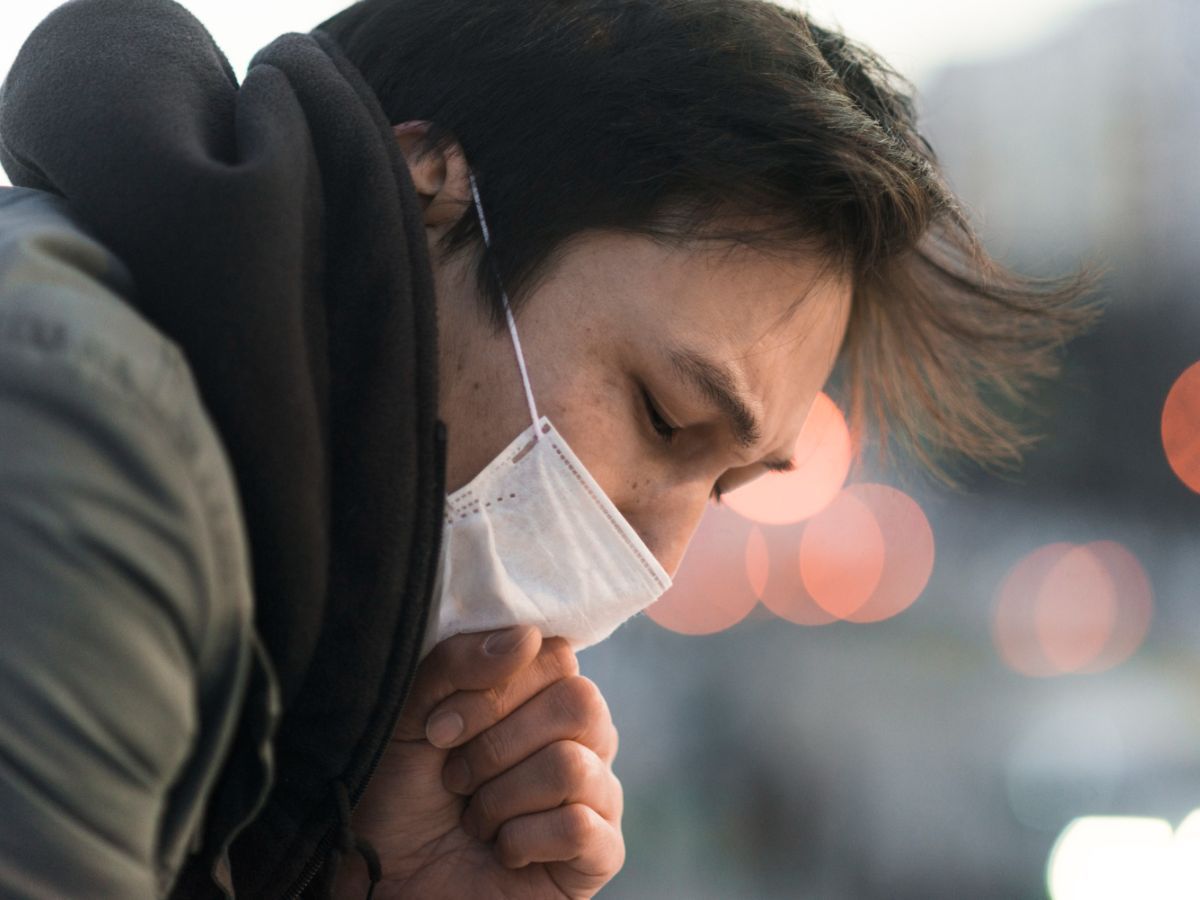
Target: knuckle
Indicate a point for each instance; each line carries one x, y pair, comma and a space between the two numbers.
491, 750
580, 702
495, 703
618, 810
506, 844
577, 824
571, 763
592, 699
619, 858
488, 806
560, 659
567, 711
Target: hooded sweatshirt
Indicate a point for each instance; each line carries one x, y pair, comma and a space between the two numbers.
269, 232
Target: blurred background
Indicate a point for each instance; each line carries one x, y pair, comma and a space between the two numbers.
872, 686
1049, 668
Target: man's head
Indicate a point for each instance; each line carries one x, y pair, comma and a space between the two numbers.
674, 372
666, 179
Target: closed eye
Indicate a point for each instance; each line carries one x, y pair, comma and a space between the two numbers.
771, 465
667, 433
657, 422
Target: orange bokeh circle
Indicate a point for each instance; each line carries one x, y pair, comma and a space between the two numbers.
1181, 427
822, 456
758, 561
908, 551
784, 592
711, 591
1013, 622
1075, 610
841, 555
1135, 604
1072, 608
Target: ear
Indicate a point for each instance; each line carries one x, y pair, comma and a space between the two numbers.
440, 176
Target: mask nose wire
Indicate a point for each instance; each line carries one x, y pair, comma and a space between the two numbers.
512, 324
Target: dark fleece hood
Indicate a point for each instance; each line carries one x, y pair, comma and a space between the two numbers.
273, 232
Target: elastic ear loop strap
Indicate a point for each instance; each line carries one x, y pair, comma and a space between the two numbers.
512, 325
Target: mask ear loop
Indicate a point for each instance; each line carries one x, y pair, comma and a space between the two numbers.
512, 325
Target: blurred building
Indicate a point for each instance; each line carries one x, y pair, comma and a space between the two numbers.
1084, 142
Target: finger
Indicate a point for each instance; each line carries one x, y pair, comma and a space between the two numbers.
564, 772
589, 847
572, 709
465, 662
477, 711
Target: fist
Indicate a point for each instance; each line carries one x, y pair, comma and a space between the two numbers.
498, 780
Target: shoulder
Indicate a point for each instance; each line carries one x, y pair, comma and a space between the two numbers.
90, 389
120, 523
63, 302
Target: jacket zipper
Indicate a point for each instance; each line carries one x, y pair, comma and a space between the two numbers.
326, 842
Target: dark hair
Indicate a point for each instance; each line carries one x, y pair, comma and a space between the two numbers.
740, 121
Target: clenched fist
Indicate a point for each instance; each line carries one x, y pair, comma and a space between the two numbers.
498, 780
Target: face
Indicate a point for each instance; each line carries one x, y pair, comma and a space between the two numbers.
669, 371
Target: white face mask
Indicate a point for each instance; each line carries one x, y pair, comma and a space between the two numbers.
534, 540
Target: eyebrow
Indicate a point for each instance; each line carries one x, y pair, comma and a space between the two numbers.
719, 386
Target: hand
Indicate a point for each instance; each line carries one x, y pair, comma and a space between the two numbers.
522, 804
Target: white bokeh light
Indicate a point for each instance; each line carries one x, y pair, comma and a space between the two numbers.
1123, 857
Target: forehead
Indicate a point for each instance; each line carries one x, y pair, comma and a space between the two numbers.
778, 319
772, 315
744, 289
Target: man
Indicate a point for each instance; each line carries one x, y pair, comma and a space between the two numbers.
451, 317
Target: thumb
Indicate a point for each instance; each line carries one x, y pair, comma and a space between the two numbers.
466, 662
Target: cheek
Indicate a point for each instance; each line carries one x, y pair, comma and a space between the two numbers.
601, 418
665, 514
609, 441
660, 497
595, 416
602, 421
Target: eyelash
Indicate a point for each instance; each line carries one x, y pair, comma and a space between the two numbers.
667, 433
657, 422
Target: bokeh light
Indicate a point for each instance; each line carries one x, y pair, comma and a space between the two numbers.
1120, 857
711, 590
864, 558
1135, 604
1181, 427
758, 561
784, 593
1013, 624
1072, 608
1075, 609
908, 551
822, 456
841, 555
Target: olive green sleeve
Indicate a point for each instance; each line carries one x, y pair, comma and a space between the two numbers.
101, 587
126, 616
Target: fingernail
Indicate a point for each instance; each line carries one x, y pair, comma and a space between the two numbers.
443, 728
457, 775
506, 641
